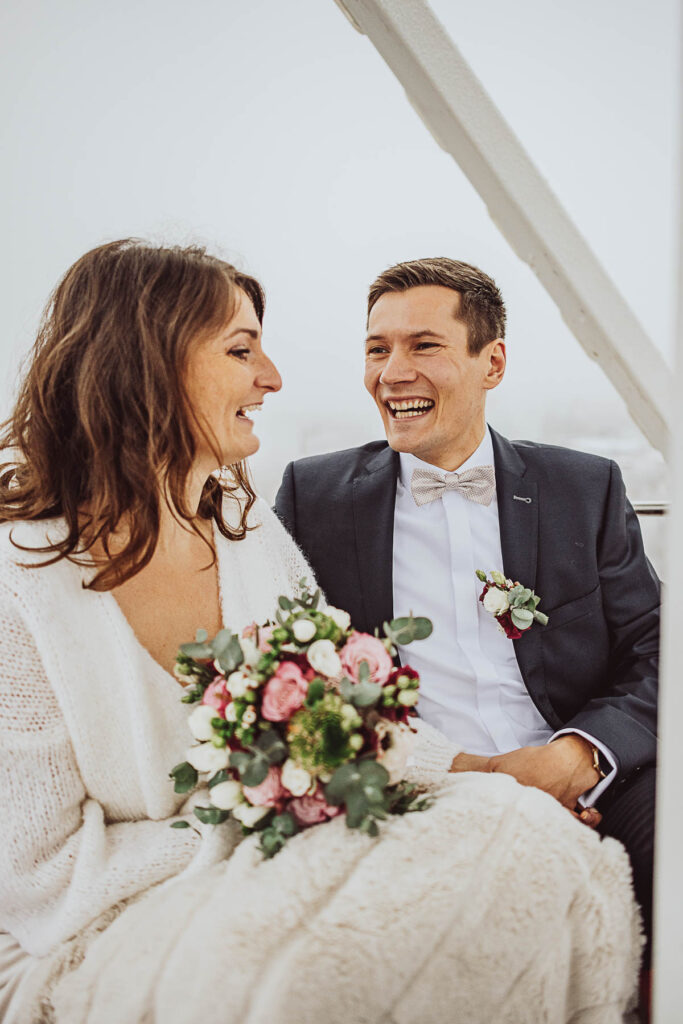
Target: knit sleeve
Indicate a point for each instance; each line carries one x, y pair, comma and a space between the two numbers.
432, 754
61, 863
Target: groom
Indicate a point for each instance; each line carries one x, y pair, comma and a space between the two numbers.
390, 528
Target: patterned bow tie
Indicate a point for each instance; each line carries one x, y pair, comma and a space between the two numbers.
477, 484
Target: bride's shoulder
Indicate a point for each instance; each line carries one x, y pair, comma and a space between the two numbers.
23, 546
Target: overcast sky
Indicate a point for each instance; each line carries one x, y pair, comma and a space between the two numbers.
275, 134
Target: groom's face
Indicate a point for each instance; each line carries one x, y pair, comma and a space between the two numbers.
428, 388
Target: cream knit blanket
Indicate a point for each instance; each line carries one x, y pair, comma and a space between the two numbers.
492, 906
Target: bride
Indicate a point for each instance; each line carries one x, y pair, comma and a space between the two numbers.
120, 536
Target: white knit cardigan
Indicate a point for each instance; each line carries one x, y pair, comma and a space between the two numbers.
90, 726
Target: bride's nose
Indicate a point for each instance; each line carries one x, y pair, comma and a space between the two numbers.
267, 376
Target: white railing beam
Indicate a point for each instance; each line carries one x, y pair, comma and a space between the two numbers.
466, 123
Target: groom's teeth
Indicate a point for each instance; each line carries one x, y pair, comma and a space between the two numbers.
411, 407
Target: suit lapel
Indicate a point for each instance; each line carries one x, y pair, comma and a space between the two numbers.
518, 511
374, 496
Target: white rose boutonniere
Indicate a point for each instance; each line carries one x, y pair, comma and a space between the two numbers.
514, 607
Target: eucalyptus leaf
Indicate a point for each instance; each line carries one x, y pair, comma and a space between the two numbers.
356, 808
221, 776
540, 617
211, 815
363, 672
194, 650
201, 636
285, 824
365, 694
346, 776
521, 618
272, 747
185, 777
406, 629
228, 652
255, 772
285, 603
239, 759
180, 824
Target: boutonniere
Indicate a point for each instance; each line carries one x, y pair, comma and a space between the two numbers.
514, 607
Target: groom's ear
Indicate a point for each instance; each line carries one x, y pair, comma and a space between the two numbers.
495, 361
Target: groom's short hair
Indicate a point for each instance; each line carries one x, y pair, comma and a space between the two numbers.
481, 305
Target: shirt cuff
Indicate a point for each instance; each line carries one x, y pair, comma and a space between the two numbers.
588, 798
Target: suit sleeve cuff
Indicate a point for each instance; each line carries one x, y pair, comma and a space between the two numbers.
589, 798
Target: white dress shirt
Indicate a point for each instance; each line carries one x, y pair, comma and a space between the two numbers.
471, 687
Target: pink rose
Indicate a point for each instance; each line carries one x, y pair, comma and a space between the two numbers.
216, 696
311, 810
284, 693
264, 635
249, 632
268, 792
364, 647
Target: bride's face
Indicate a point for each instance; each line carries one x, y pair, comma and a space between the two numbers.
228, 375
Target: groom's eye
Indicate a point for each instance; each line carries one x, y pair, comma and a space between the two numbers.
375, 350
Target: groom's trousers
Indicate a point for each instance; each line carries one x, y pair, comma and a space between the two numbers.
628, 814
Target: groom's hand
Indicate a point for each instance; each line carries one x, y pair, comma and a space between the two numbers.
563, 768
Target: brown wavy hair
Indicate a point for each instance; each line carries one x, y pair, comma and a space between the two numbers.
101, 430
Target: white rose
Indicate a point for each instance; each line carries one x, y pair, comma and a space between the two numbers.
226, 795
323, 657
303, 630
295, 779
207, 758
339, 617
248, 814
394, 757
238, 684
408, 698
496, 601
249, 716
250, 652
200, 722
230, 712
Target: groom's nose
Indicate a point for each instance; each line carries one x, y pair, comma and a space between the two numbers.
399, 368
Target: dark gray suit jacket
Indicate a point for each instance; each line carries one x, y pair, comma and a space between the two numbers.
576, 541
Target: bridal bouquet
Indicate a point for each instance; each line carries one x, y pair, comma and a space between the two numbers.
300, 720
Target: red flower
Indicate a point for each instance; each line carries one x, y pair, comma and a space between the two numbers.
508, 626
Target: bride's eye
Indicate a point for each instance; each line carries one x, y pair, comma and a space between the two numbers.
240, 352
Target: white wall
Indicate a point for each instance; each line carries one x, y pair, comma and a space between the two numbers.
274, 133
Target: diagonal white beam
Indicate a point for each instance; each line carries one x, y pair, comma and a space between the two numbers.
467, 124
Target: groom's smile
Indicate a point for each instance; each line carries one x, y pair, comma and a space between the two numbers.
429, 389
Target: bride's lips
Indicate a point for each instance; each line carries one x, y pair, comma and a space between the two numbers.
241, 413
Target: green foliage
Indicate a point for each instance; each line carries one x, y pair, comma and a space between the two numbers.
222, 776
361, 788
180, 824
407, 798
185, 777
404, 630
318, 735
281, 828
481, 575
211, 815
226, 651
253, 764
361, 695
316, 692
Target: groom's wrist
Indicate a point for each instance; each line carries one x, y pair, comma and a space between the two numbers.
582, 753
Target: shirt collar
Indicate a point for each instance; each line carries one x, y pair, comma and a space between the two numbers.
482, 456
